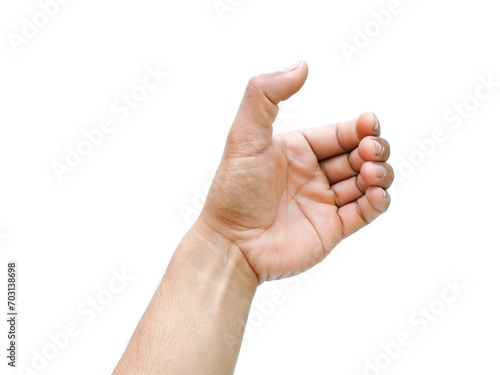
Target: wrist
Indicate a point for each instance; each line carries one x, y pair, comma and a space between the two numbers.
217, 259
219, 281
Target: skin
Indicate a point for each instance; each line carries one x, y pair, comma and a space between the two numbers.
277, 207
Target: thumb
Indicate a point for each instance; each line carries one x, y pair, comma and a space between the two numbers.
252, 130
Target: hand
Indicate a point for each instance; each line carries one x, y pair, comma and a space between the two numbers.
287, 201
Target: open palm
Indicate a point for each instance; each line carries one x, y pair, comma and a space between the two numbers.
287, 201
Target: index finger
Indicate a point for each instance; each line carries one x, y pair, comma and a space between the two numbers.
331, 140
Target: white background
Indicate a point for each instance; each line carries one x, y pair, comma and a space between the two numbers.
122, 208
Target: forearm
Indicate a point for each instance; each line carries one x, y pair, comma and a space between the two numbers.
195, 321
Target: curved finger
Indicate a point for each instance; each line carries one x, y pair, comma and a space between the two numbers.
376, 174
374, 149
341, 167
353, 188
363, 211
344, 166
347, 191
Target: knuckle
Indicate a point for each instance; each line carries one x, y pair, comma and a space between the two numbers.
255, 84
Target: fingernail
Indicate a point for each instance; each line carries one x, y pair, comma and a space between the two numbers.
379, 148
381, 171
384, 194
377, 124
293, 67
